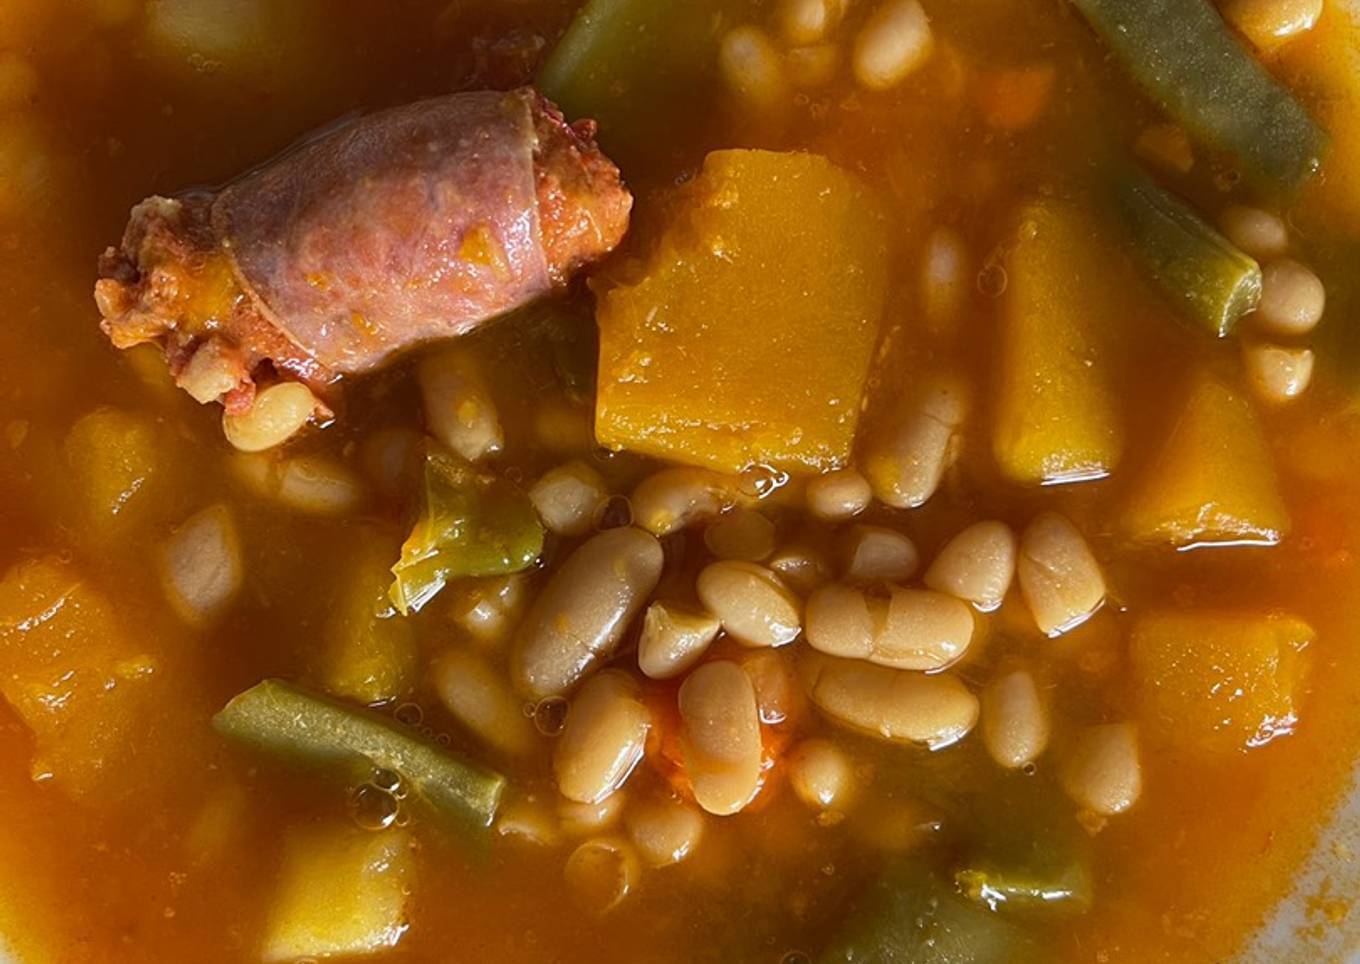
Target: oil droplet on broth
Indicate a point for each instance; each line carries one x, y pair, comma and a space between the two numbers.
550, 715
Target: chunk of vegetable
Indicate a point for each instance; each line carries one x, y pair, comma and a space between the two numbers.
340, 891
640, 69
1217, 681
371, 653
1056, 417
1213, 483
471, 523
1202, 272
115, 461
737, 346
307, 727
910, 915
1183, 55
74, 674
1328, 61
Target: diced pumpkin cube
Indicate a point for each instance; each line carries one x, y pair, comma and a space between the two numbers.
114, 459
748, 337
1056, 417
371, 649
1217, 682
1213, 481
341, 891
72, 673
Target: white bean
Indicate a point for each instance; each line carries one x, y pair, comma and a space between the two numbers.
720, 737
774, 677
753, 605
803, 22
822, 774
673, 639
675, 498
1102, 772
1259, 233
1292, 298
603, 739
278, 413
894, 41
201, 565
874, 554
802, 568
945, 279
478, 697
740, 533
664, 830
908, 455
837, 496
528, 819
900, 706
601, 872
1015, 725
459, 411
487, 609
753, 70
584, 610
1059, 577
977, 565
914, 629
1277, 373
583, 819
567, 497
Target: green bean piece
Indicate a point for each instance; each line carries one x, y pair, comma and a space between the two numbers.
1186, 59
281, 718
1201, 271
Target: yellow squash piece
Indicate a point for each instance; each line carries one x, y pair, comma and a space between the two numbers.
115, 461
371, 650
1217, 682
341, 891
73, 674
748, 337
1213, 482
1056, 416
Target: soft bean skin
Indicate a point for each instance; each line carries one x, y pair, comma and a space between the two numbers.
584, 609
604, 738
721, 736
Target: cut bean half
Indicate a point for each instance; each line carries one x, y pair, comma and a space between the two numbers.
874, 554
1277, 373
601, 872
916, 629
673, 639
568, 497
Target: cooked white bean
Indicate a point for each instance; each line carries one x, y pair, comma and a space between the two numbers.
753, 70
812, 67
567, 497
390, 458
977, 565
528, 819
822, 774
673, 639
801, 567
894, 41
583, 819
674, 498
477, 695
1292, 298
873, 554
753, 605
487, 609
945, 279
317, 484
912, 629
459, 411
803, 22
720, 736
901, 706
908, 455
278, 413
774, 677
1259, 233
1102, 771
584, 610
1015, 724
603, 740
1059, 577
1270, 23
840, 495
1277, 373
740, 533
601, 872
201, 565
664, 830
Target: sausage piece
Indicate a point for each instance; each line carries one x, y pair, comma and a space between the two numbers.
403, 226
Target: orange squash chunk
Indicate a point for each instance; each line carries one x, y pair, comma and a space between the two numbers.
1217, 682
748, 338
1213, 481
